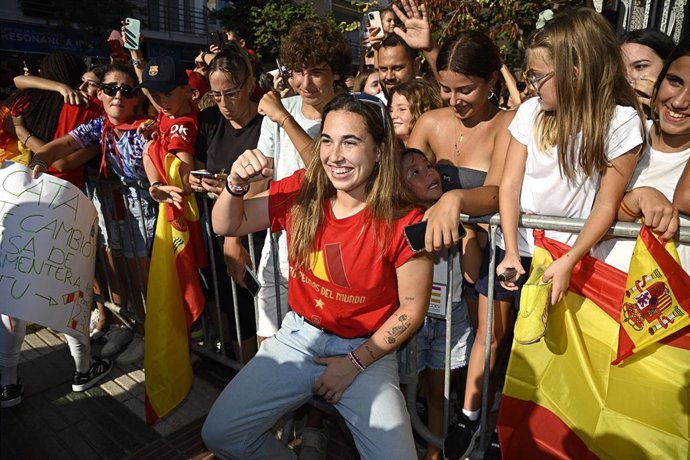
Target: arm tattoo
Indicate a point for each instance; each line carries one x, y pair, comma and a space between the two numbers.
370, 351
398, 329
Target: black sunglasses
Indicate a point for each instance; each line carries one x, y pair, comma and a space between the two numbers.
111, 89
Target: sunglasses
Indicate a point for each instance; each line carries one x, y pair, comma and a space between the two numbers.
111, 89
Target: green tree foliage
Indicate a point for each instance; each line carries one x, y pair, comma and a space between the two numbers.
268, 20
507, 22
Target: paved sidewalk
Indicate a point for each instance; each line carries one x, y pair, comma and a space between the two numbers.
106, 421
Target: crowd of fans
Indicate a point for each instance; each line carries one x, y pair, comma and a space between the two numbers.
595, 128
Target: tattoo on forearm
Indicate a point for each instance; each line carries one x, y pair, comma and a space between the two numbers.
370, 351
398, 329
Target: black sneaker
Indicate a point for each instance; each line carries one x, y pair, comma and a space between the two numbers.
462, 436
493, 452
99, 369
11, 395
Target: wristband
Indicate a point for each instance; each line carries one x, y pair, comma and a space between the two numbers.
236, 190
136, 62
157, 184
26, 139
628, 211
282, 122
38, 162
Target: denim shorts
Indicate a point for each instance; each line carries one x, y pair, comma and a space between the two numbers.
501, 293
431, 340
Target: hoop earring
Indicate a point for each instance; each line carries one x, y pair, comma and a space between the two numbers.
492, 94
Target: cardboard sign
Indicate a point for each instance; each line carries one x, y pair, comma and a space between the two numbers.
48, 245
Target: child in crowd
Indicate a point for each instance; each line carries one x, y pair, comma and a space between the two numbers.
408, 102
573, 150
421, 178
122, 151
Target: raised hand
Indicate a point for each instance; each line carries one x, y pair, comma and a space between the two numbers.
417, 31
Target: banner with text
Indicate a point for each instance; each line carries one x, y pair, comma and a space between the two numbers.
48, 244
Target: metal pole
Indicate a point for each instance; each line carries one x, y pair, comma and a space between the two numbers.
452, 254
489, 334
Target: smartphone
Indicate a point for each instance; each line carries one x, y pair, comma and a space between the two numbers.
415, 235
374, 19
507, 275
283, 71
201, 173
132, 32
251, 281
218, 38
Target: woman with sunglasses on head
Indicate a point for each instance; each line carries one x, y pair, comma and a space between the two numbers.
228, 128
357, 291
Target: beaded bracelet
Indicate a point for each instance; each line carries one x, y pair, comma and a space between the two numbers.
236, 190
357, 362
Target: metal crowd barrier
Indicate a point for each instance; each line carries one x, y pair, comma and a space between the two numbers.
408, 373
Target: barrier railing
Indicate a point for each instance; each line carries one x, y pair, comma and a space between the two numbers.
408, 373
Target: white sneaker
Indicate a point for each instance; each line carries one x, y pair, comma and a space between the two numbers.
314, 444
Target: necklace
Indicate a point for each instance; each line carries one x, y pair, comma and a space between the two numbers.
458, 142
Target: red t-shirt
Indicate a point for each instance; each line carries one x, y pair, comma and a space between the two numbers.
350, 290
72, 116
173, 135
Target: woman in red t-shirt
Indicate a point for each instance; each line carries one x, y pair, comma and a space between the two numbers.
356, 289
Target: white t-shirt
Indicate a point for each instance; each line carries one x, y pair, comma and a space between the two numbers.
275, 143
659, 170
545, 191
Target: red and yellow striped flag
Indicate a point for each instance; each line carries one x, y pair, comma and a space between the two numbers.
174, 301
564, 399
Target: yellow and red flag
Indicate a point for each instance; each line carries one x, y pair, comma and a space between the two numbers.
657, 295
564, 399
174, 300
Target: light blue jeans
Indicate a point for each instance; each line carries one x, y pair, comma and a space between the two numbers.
279, 379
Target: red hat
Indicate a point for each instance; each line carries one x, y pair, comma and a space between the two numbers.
197, 82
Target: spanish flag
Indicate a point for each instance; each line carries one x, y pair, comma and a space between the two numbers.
174, 301
564, 399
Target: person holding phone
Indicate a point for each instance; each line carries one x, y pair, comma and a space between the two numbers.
227, 129
357, 290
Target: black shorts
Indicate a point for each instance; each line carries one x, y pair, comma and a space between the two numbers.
500, 293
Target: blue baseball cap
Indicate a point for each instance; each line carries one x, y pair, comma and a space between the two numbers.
163, 74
